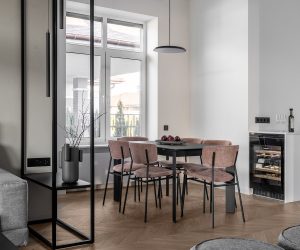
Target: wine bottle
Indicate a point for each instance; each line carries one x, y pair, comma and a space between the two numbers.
291, 121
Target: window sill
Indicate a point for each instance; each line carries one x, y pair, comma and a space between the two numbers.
99, 148
96, 146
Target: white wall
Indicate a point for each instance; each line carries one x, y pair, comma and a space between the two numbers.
279, 60
219, 74
10, 85
254, 63
152, 79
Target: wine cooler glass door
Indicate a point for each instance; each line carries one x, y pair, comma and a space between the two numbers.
267, 164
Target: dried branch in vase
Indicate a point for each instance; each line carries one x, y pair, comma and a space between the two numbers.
77, 125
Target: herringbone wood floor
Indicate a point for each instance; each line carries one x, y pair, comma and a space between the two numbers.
265, 219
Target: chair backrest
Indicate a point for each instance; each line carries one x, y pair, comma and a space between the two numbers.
116, 147
133, 138
138, 152
225, 156
192, 140
217, 142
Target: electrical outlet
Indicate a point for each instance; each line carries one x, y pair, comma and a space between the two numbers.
262, 119
39, 162
166, 127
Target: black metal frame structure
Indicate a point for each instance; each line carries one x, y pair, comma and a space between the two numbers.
53, 181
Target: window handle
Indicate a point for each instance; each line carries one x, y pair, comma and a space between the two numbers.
61, 14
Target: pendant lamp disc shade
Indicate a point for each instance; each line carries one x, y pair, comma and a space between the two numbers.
169, 49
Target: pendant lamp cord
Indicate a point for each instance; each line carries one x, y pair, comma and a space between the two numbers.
169, 22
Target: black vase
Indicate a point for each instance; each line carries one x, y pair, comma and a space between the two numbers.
70, 158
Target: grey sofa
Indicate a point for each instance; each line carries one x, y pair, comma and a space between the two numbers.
13, 208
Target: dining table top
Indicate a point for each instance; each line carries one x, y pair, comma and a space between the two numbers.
184, 146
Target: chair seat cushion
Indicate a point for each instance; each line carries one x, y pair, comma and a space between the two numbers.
290, 238
205, 174
153, 172
193, 167
118, 168
234, 244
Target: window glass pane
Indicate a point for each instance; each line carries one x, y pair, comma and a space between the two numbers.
78, 30
125, 97
78, 93
123, 35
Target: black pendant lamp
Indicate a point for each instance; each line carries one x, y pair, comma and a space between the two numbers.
169, 48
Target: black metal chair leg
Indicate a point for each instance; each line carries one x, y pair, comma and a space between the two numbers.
167, 186
179, 190
146, 202
154, 187
206, 191
140, 180
134, 189
213, 205
141, 187
126, 194
204, 196
107, 178
183, 193
240, 197
211, 191
159, 192
121, 190
187, 187
212, 197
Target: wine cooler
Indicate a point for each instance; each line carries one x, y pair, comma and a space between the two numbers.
267, 164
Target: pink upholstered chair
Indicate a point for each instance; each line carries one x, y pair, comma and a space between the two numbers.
146, 154
212, 171
192, 140
217, 142
119, 150
135, 138
191, 166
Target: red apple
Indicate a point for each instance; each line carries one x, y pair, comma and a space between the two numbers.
164, 138
177, 138
170, 138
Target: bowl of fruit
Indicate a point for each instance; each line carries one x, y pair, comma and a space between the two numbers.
170, 140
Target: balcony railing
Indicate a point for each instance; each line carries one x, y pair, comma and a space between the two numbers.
120, 125
125, 125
